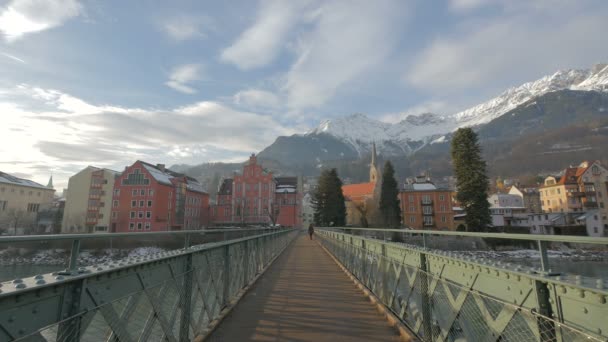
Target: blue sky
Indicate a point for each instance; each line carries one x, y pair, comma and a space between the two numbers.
107, 82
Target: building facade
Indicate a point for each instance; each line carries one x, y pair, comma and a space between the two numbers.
88, 201
256, 197
581, 190
530, 196
149, 197
20, 201
424, 206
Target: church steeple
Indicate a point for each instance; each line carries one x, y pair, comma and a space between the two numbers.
373, 170
50, 183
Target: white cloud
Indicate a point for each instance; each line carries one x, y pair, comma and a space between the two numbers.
182, 75
185, 27
255, 98
21, 17
71, 133
511, 49
261, 43
350, 39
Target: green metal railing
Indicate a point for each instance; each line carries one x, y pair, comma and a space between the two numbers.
445, 296
168, 296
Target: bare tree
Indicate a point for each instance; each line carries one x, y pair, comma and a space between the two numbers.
362, 208
273, 212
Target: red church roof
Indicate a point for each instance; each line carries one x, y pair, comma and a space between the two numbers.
358, 191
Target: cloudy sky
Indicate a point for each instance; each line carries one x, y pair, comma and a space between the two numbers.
107, 82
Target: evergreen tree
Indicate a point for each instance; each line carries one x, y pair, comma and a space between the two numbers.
389, 197
471, 179
328, 200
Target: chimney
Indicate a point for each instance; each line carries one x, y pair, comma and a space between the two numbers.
161, 167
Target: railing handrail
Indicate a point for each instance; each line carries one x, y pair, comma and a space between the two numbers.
88, 236
504, 236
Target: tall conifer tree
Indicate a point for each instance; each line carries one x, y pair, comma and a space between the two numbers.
389, 197
471, 179
328, 200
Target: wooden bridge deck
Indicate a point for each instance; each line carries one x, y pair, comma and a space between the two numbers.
304, 296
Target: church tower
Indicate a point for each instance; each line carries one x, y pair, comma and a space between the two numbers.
50, 183
373, 169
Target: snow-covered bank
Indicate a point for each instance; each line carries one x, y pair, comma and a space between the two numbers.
18, 256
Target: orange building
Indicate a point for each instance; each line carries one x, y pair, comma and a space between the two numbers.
424, 206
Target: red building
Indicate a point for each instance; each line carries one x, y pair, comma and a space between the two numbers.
151, 198
256, 197
424, 206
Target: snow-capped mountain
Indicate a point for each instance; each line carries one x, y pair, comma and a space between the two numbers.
415, 131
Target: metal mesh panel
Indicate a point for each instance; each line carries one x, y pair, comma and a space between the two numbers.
175, 309
437, 309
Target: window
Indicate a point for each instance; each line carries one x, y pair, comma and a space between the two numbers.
426, 199
443, 219
559, 191
442, 207
116, 192
441, 197
131, 226
132, 214
38, 193
151, 192
147, 225
595, 170
141, 214
3, 205
139, 225
412, 209
33, 207
115, 204
115, 214
412, 219
428, 220
149, 204
134, 192
133, 204
595, 230
135, 178
427, 210
141, 203
148, 214
142, 192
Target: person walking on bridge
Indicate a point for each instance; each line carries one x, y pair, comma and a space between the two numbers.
311, 230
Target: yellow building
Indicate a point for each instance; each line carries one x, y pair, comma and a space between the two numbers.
20, 201
88, 205
561, 194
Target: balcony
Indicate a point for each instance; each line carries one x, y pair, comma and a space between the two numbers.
590, 204
426, 202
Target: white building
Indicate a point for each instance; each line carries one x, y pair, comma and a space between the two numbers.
507, 210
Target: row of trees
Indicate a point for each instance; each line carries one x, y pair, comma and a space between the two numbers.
471, 180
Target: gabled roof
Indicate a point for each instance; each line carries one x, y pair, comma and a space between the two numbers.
10, 179
358, 191
164, 176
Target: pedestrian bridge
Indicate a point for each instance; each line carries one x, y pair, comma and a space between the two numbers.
277, 285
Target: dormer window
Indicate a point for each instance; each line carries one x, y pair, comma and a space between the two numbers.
595, 170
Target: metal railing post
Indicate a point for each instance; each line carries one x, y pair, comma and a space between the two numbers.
246, 264
364, 267
187, 241
544, 258
427, 324
187, 297
73, 265
226, 294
